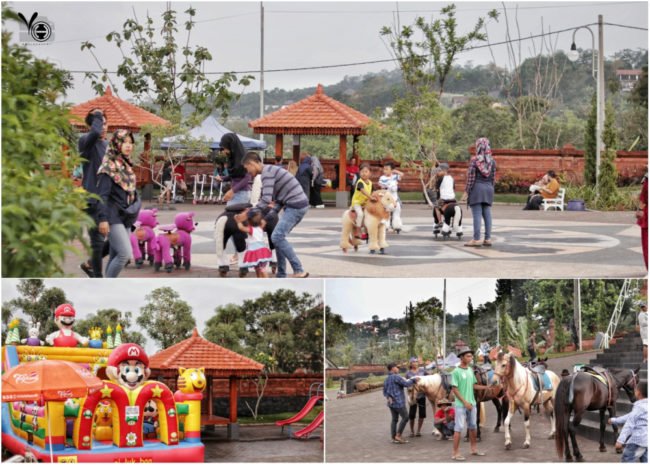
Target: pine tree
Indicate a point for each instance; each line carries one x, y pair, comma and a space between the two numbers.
590, 145
607, 190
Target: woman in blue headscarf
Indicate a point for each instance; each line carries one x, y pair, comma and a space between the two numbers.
479, 191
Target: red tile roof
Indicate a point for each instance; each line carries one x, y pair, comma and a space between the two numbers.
120, 114
629, 72
317, 114
197, 352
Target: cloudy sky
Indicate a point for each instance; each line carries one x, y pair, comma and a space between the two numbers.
203, 295
359, 299
308, 34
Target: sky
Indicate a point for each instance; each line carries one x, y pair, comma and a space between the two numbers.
203, 295
307, 34
357, 300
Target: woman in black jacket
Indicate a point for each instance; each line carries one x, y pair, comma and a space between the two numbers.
119, 205
240, 181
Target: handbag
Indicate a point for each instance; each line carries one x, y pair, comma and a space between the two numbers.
134, 208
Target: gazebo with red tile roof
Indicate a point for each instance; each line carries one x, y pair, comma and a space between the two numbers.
121, 114
316, 115
218, 362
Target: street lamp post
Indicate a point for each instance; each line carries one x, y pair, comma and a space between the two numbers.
598, 72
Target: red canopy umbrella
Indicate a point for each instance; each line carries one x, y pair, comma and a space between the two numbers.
48, 380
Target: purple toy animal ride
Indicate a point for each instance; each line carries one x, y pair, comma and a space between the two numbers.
143, 239
178, 238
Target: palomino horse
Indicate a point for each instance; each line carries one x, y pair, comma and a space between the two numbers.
519, 385
433, 389
586, 391
376, 213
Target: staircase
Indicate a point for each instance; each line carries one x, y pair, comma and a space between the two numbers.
626, 353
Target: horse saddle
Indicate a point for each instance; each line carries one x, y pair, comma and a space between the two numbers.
482, 374
600, 373
541, 381
238, 207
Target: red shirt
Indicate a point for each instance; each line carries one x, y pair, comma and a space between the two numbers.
440, 414
643, 198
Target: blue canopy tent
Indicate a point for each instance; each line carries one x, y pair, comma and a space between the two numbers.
211, 131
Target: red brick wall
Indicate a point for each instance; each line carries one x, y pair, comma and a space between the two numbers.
339, 372
279, 385
526, 164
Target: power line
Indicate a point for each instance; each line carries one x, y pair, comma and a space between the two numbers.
385, 60
627, 27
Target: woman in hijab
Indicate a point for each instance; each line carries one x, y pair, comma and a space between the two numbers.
240, 181
119, 205
479, 191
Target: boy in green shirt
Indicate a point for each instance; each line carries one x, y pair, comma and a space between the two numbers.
463, 384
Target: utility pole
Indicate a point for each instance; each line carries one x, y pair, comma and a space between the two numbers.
498, 318
577, 311
444, 321
261, 63
600, 97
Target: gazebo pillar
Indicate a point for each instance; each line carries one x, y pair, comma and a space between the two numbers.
296, 148
279, 141
342, 193
233, 426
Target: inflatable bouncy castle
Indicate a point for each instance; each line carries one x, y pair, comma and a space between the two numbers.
82, 404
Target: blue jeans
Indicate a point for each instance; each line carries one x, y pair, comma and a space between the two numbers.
283, 250
396, 413
240, 197
120, 252
635, 453
445, 430
485, 210
464, 418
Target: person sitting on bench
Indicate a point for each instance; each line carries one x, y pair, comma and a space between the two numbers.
549, 191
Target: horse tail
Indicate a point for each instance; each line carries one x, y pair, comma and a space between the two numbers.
562, 409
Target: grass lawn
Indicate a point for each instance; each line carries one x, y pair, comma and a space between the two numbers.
272, 418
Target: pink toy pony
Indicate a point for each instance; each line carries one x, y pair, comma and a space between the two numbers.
143, 239
177, 237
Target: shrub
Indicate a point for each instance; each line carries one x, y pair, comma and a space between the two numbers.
512, 183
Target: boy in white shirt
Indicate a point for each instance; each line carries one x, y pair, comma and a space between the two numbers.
389, 180
444, 209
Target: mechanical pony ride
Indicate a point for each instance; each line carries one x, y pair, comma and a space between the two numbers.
46, 415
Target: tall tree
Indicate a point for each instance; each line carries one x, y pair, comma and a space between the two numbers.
227, 327
164, 70
38, 302
166, 317
607, 189
410, 316
42, 213
471, 324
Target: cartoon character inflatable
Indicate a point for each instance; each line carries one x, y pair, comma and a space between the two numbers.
128, 366
143, 239
103, 421
177, 237
64, 316
150, 422
33, 339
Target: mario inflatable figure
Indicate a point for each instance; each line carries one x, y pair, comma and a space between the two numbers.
128, 366
64, 316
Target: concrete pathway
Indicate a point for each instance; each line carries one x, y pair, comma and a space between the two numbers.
526, 245
358, 430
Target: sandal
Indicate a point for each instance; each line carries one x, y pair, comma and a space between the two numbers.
473, 243
458, 458
304, 274
400, 441
487, 243
417, 435
480, 454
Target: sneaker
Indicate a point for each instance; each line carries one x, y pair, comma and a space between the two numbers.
86, 268
320, 206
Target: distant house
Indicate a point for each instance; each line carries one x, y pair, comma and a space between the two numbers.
628, 78
395, 334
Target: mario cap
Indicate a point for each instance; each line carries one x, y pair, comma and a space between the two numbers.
126, 352
64, 310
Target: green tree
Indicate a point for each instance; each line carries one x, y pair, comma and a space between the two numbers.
152, 72
227, 327
471, 324
590, 145
41, 214
38, 303
111, 317
607, 189
166, 317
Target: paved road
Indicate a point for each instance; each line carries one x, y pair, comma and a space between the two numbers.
526, 244
358, 430
261, 444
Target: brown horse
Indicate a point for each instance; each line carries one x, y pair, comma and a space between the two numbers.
498, 396
583, 391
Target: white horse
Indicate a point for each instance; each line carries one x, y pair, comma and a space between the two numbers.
518, 381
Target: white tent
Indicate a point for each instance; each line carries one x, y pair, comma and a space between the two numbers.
211, 131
